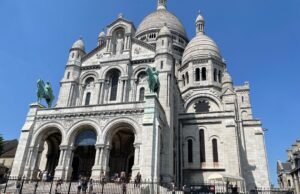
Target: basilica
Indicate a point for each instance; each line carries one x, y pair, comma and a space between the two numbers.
196, 126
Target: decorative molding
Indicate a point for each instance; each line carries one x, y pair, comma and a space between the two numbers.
143, 61
102, 114
90, 67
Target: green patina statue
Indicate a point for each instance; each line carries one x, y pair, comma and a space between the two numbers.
153, 79
45, 91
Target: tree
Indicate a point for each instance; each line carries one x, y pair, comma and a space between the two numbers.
1, 144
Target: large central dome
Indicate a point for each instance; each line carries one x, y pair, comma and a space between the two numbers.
156, 20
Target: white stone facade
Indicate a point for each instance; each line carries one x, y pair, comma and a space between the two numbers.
198, 124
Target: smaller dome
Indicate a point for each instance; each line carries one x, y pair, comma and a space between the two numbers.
226, 78
200, 18
164, 31
101, 34
79, 44
199, 47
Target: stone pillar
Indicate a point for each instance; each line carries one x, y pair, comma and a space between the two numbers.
29, 162
150, 155
136, 165
97, 92
96, 170
22, 154
64, 169
105, 162
101, 94
296, 185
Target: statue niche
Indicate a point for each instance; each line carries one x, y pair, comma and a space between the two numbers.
118, 43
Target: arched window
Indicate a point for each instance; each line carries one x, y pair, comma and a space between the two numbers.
215, 150
203, 73
68, 75
197, 74
220, 76
289, 183
202, 146
72, 55
190, 151
87, 98
187, 77
142, 94
183, 80
114, 85
215, 74
89, 81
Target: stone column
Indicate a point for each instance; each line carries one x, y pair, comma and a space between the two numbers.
96, 170
101, 94
62, 170
97, 92
296, 185
136, 165
30, 162
150, 155
106, 160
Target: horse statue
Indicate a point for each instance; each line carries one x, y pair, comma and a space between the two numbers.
45, 91
153, 79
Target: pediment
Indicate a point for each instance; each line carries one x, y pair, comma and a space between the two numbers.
141, 50
228, 91
93, 57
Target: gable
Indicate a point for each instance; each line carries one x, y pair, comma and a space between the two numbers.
141, 50
94, 56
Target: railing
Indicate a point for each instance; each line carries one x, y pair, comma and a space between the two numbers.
26, 186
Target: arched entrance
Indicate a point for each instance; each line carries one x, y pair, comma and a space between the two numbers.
84, 154
48, 154
122, 152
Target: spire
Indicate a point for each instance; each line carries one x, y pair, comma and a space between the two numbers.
200, 24
161, 4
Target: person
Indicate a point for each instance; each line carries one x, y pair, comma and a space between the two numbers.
173, 187
124, 188
84, 185
18, 185
40, 175
137, 180
91, 186
45, 175
123, 177
102, 176
58, 187
79, 186
235, 189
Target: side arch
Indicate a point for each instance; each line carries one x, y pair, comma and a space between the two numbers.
87, 74
42, 132
111, 127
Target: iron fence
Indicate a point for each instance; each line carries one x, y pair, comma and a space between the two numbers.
26, 186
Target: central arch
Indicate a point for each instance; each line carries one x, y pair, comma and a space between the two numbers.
84, 153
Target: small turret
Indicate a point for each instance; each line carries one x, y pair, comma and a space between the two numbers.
200, 22
77, 51
101, 39
227, 81
164, 40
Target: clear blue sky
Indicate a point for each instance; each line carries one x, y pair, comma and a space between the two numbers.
260, 41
